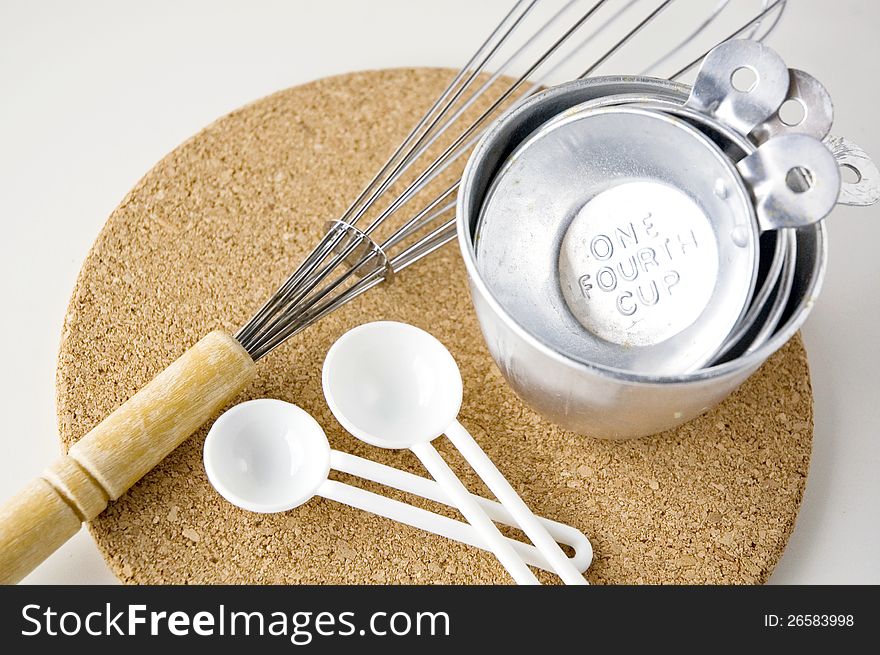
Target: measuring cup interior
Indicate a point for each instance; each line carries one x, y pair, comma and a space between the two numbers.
808, 259
391, 384
651, 280
266, 456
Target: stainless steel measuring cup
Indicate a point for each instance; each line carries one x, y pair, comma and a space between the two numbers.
576, 393
624, 236
777, 247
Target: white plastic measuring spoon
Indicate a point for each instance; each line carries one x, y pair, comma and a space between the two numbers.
396, 386
271, 456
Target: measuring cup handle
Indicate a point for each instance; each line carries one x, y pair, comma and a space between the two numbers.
499, 485
505, 553
427, 488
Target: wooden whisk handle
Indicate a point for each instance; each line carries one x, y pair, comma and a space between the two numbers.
119, 451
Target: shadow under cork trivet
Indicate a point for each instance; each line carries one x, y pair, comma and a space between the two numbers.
207, 236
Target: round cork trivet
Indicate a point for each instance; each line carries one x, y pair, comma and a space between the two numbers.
210, 232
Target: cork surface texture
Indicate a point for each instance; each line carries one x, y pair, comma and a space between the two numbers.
207, 235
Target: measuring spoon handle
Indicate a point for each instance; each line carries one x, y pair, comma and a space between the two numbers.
527, 521
421, 519
444, 476
427, 488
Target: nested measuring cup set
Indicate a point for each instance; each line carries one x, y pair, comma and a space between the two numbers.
637, 248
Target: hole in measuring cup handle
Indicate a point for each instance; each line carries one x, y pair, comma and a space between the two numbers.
741, 83
744, 79
807, 109
850, 174
799, 179
793, 112
860, 186
794, 180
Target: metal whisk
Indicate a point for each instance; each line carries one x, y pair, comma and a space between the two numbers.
351, 259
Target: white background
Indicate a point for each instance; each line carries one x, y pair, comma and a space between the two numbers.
92, 94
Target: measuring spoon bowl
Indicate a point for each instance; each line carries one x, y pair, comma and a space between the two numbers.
392, 385
266, 456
